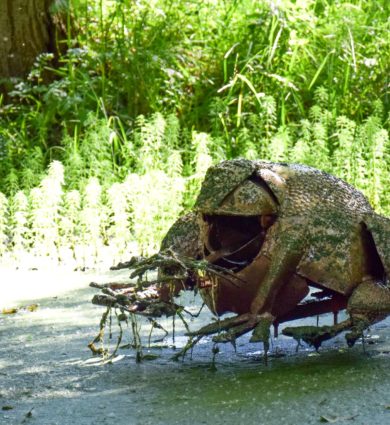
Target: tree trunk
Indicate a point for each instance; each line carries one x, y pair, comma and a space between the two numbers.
26, 30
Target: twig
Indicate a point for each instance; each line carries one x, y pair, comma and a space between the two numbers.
99, 336
142, 298
119, 337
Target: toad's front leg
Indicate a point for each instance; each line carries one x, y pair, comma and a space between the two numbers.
278, 289
286, 253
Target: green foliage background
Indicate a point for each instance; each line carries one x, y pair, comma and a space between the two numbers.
101, 153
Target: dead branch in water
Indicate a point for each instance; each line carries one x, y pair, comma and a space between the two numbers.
142, 296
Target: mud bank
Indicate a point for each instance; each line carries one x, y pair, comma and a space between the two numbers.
49, 377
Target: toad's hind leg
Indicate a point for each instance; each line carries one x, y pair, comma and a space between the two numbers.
368, 304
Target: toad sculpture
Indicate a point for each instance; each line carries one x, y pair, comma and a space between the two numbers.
283, 230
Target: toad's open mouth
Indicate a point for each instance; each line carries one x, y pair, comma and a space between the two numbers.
233, 242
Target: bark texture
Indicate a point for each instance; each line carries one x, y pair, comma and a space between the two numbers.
26, 30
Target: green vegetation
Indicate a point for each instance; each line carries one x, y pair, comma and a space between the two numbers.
100, 153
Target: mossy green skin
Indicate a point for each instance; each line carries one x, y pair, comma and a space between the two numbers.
323, 232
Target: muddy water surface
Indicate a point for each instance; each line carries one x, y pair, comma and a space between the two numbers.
48, 376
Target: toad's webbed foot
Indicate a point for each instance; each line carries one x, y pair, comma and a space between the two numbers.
232, 334
359, 325
314, 335
262, 329
220, 326
230, 329
261, 332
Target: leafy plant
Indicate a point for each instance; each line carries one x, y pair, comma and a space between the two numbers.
18, 225
45, 202
3, 224
92, 223
110, 141
70, 230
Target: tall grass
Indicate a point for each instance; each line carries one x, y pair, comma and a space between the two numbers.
236, 70
101, 152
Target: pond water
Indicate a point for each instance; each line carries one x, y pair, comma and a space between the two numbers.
48, 376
